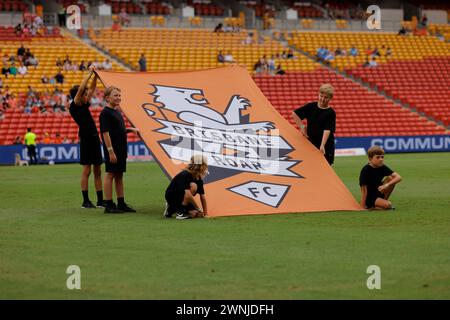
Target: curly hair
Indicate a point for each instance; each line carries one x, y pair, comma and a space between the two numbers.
197, 166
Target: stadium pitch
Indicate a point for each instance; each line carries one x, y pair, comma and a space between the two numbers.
326, 255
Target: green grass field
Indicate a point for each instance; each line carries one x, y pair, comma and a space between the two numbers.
43, 230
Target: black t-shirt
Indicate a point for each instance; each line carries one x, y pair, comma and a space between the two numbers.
182, 182
84, 120
318, 120
373, 177
112, 121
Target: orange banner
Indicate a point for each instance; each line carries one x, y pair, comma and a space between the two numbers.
258, 162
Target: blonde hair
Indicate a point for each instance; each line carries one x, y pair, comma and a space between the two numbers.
109, 90
327, 89
375, 151
197, 166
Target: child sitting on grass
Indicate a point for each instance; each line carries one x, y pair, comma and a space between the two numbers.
377, 181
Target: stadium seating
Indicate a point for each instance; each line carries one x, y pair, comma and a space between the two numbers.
186, 49
403, 48
13, 5
423, 84
46, 50
417, 72
359, 112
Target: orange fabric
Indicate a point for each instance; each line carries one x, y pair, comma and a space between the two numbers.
170, 104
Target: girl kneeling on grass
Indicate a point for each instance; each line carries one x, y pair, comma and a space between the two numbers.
181, 192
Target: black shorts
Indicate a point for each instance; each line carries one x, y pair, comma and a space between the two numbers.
119, 166
90, 151
175, 201
372, 197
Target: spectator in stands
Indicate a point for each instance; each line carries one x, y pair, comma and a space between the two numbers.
228, 28
366, 63
58, 139
219, 28
59, 77
90, 150
22, 70
61, 16
95, 101
228, 57
388, 51
373, 63
376, 52
377, 181
5, 59
54, 103
290, 54
66, 140
27, 54
1, 83
220, 57
18, 30
74, 66
321, 122
82, 66
328, 58
17, 140
123, 18
142, 63
369, 51
5, 70
46, 139
32, 61
114, 134
279, 70
353, 51
97, 64
249, 38
31, 92
2, 116
271, 67
258, 67
30, 142
67, 66
67, 60
21, 51
3, 102
13, 69
59, 63
107, 65
7, 92
26, 31
12, 101
38, 23
424, 20
284, 55
403, 31
116, 26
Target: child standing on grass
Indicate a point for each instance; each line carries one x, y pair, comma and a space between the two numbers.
377, 181
181, 192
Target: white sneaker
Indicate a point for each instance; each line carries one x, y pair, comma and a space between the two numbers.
181, 216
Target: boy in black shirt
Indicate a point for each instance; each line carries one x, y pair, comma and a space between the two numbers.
321, 122
374, 191
184, 187
114, 136
90, 152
